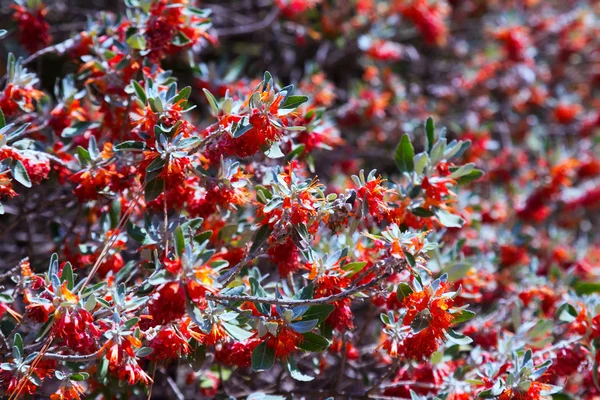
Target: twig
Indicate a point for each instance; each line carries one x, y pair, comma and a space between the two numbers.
175, 389
230, 275
391, 371
244, 29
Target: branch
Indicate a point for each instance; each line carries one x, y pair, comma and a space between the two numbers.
230, 275
75, 357
292, 302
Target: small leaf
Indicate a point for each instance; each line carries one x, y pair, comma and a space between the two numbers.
130, 145
80, 376
403, 291
470, 177
295, 372
458, 338
463, 316
236, 332
319, 312
293, 102
274, 151
139, 91
430, 131
67, 275
304, 325
263, 357
154, 189
179, 242
19, 173
313, 342
144, 352
566, 313
137, 42
212, 102
404, 156
447, 219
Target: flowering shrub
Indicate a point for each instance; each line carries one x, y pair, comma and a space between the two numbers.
177, 223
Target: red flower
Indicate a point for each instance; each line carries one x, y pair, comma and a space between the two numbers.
236, 353
286, 256
33, 27
167, 304
168, 345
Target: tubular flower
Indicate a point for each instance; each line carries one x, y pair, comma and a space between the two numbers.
76, 328
168, 344
284, 342
167, 304
235, 353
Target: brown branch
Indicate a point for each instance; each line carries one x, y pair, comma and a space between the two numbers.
75, 357
293, 302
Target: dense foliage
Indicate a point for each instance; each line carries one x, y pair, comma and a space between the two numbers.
178, 222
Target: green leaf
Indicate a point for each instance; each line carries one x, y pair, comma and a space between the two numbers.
154, 189
261, 236
130, 145
422, 212
403, 291
566, 313
447, 219
263, 357
80, 376
463, 316
274, 151
67, 275
144, 352
214, 106
2, 120
115, 213
77, 129
410, 259
404, 156
179, 242
457, 337
19, 173
463, 170
430, 131
18, 342
583, 288
293, 102
319, 312
236, 332
183, 94
354, 267
470, 177
313, 342
84, 155
137, 42
257, 290
295, 373
305, 325
90, 303
139, 91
